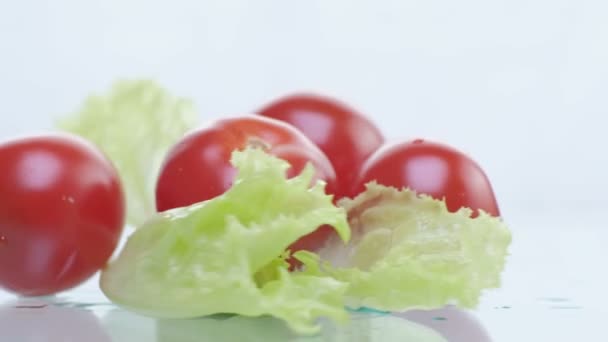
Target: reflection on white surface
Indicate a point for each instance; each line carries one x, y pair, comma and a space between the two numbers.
363, 327
124, 326
454, 324
54, 320
40, 321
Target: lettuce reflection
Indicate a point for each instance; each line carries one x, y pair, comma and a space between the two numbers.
447, 324
362, 327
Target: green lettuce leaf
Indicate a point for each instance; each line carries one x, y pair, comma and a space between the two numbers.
227, 255
135, 124
408, 251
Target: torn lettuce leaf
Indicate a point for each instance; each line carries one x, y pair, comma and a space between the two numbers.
134, 124
227, 254
408, 251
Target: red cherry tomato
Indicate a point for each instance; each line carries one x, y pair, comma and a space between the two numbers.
61, 213
345, 136
198, 167
433, 169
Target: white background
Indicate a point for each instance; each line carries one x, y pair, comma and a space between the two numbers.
521, 85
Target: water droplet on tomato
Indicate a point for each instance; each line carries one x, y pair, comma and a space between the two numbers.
418, 141
3, 240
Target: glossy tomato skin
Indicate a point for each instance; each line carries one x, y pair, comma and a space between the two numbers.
61, 213
344, 135
430, 168
198, 167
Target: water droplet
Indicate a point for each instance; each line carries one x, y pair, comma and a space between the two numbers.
370, 310
3, 240
418, 141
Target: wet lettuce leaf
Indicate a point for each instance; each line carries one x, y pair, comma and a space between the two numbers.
227, 254
408, 251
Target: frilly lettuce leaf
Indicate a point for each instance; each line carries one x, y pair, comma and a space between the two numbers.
408, 251
227, 255
135, 124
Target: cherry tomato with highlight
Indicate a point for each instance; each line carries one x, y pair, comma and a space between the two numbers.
345, 136
61, 213
430, 168
198, 167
